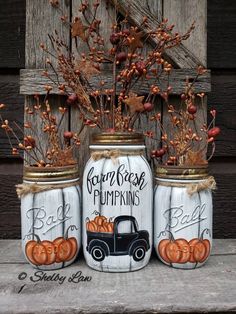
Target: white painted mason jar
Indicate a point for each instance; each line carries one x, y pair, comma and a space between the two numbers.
51, 218
117, 204
183, 216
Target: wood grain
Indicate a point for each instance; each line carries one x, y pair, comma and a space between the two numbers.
180, 56
14, 111
32, 81
223, 99
221, 32
12, 34
205, 290
189, 11
42, 19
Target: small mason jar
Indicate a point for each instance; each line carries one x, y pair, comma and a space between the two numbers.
183, 216
117, 204
51, 216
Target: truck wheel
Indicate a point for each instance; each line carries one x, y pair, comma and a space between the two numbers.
98, 253
139, 253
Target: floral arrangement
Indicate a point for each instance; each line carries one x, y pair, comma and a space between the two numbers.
59, 147
188, 137
103, 81
113, 104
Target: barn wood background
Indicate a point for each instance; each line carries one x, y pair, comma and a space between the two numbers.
221, 59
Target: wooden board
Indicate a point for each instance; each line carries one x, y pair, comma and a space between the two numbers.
189, 11
42, 19
32, 81
180, 56
12, 34
204, 290
221, 32
223, 99
14, 111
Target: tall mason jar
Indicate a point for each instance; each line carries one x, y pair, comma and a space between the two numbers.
50, 216
117, 204
183, 216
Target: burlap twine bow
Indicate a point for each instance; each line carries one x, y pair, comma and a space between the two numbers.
27, 188
113, 154
208, 183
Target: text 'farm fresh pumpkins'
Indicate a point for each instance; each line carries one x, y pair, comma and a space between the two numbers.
182, 251
47, 252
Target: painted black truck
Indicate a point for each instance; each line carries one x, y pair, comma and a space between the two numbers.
134, 243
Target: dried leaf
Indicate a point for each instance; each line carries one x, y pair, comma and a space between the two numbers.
87, 68
195, 158
134, 40
79, 29
135, 103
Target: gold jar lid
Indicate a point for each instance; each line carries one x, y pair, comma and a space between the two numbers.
50, 174
182, 172
118, 138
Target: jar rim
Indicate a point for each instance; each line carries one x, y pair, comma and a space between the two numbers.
182, 172
48, 174
117, 138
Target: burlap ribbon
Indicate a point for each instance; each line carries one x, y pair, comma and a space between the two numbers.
113, 154
208, 183
27, 188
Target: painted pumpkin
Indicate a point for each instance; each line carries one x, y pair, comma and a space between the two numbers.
47, 252
100, 224
181, 251
200, 250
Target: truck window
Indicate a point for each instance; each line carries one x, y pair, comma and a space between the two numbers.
125, 227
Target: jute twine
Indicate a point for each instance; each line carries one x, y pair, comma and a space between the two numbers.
208, 183
113, 154
27, 188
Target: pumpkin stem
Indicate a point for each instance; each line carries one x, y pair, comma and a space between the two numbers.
208, 231
72, 227
163, 233
95, 213
34, 235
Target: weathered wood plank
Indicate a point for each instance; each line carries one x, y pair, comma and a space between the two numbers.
14, 111
201, 289
42, 19
10, 175
12, 33
32, 81
223, 99
177, 11
180, 56
221, 30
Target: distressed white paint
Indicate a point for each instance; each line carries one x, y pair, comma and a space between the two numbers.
177, 212
142, 212
49, 214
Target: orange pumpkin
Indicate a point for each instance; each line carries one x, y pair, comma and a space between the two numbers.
63, 249
184, 249
91, 226
200, 250
99, 220
51, 255
162, 250
47, 252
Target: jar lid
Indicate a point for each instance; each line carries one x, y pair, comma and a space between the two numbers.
118, 138
48, 174
182, 172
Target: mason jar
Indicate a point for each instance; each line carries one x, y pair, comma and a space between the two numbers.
117, 203
50, 216
183, 216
